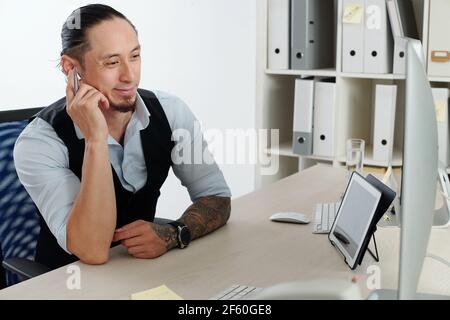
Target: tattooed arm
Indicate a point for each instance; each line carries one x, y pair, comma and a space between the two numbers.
202, 217
150, 240
206, 215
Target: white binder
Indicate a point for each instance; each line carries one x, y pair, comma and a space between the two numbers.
353, 36
278, 34
403, 24
302, 141
384, 123
439, 39
441, 96
378, 42
394, 18
400, 51
400, 42
324, 119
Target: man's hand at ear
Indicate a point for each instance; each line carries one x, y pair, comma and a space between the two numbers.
146, 240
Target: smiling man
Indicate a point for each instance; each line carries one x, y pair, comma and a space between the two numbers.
94, 161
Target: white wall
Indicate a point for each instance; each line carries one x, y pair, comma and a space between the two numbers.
201, 50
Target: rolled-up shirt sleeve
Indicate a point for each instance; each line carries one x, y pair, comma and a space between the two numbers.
42, 164
200, 174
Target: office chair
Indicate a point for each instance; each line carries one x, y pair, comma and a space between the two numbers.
2, 274
19, 221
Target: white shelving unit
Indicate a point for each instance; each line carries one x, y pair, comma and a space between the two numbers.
275, 99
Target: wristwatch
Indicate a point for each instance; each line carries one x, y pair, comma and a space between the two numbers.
183, 234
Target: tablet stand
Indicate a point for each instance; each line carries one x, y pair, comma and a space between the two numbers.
375, 256
366, 247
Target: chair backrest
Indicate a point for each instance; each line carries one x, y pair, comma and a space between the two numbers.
19, 221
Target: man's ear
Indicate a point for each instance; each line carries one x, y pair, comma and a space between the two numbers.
67, 64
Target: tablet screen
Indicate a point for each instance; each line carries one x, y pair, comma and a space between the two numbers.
354, 217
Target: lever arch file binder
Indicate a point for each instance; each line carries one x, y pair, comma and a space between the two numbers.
441, 96
278, 34
439, 39
403, 24
400, 44
378, 42
353, 36
324, 118
402, 18
384, 123
312, 34
303, 116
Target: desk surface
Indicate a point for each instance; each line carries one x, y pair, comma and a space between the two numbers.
249, 250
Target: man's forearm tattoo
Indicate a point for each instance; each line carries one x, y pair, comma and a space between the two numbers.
167, 233
206, 215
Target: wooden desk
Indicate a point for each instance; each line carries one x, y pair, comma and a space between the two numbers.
249, 250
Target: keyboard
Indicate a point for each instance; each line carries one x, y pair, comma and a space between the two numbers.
324, 217
236, 292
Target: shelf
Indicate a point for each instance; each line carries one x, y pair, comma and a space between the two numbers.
321, 158
334, 73
285, 149
439, 79
368, 158
316, 72
382, 76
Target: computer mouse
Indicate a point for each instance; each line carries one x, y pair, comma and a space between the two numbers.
292, 217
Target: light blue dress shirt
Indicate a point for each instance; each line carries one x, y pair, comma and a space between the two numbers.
42, 163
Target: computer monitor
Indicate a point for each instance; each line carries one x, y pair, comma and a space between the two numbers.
419, 175
420, 172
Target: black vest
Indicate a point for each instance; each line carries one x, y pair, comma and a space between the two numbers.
157, 146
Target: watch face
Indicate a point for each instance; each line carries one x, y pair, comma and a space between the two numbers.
184, 236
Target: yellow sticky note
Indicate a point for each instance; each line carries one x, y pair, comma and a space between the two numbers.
353, 14
440, 110
159, 293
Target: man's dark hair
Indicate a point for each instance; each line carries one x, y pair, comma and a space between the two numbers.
74, 31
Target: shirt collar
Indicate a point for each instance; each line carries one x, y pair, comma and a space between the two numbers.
140, 119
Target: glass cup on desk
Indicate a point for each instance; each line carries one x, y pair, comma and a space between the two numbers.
354, 156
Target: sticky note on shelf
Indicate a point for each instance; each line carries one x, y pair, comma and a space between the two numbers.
159, 293
353, 14
440, 110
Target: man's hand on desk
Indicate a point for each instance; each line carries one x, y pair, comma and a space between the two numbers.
146, 240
